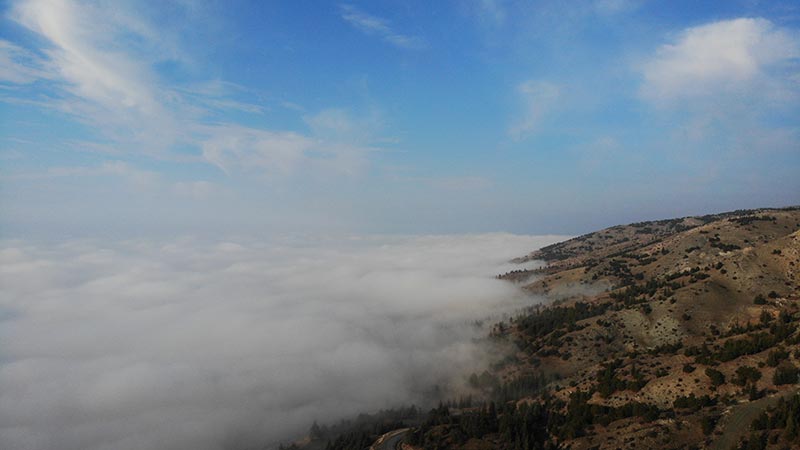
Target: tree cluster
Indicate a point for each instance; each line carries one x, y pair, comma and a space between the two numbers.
776, 425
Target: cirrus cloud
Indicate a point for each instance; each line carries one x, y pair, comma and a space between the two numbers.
99, 66
373, 25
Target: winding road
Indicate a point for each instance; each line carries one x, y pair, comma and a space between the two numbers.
390, 440
737, 424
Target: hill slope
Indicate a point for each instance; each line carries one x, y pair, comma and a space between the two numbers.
659, 335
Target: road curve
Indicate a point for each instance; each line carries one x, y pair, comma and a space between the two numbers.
390, 440
737, 424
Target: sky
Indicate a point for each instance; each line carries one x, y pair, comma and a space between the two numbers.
131, 118
222, 220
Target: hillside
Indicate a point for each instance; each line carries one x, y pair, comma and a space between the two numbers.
678, 333
675, 301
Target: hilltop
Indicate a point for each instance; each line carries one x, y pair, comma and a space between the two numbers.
669, 310
678, 333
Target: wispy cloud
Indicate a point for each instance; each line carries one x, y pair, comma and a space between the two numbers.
538, 98
233, 147
610, 7
489, 11
20, 66
376, 26
101, 70
103, 79
548, 16
337, 124
108, 78
338, 142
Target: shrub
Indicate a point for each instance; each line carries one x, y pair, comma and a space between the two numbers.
708, 423
717, 377
776, 356
745, 374
786, 374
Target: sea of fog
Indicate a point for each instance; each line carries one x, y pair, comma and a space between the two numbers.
194, 344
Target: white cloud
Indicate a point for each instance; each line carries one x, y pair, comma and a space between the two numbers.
235, 148
732, 56
720, 86
123, 345
375, 26
538, 98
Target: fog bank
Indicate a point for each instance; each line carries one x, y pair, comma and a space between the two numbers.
225, 345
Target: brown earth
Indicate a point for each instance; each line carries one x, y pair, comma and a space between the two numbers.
705, 273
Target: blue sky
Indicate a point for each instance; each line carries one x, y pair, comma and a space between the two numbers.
392, 117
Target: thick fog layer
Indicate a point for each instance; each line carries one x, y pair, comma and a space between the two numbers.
197, 345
